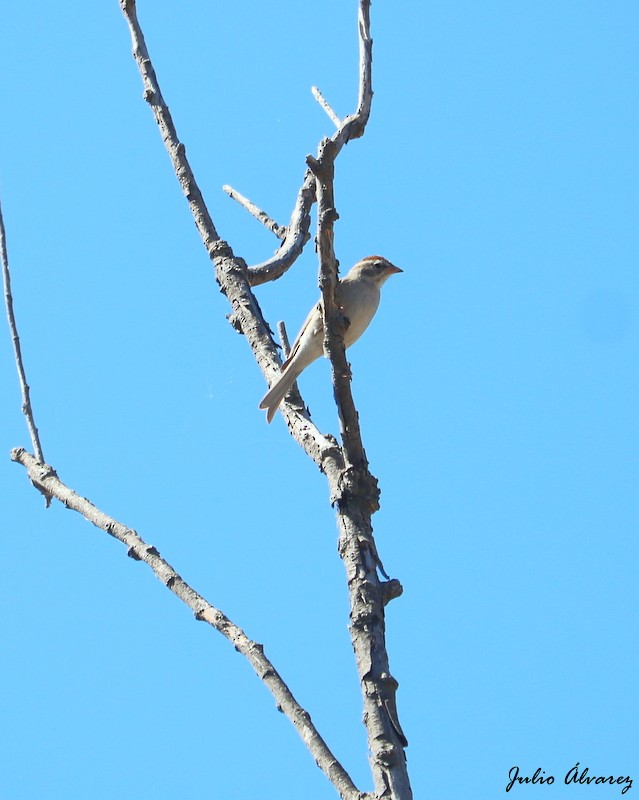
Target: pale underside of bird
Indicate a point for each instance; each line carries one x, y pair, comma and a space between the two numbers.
357, 295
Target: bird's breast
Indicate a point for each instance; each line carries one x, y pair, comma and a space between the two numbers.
359, 303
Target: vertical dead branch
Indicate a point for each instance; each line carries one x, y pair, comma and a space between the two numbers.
357, 500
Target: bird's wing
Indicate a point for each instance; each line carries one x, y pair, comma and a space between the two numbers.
311, 327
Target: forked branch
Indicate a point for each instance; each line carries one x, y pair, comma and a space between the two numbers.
351, 127
231, 271
353, 490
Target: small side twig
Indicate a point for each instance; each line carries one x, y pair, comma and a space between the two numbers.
262, 216
283, 334
295, 399
17, 349
326, 106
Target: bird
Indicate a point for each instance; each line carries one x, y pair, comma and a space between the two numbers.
357, 295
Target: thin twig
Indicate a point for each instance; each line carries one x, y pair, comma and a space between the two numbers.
138, 549
295, 399
326, 106
17, 350
283, 335
262, 216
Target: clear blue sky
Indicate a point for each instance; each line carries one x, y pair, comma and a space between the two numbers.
498, 392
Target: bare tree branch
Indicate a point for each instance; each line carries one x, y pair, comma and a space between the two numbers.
323, 168
283, 334
262, 216
357, 501
230, 271
326, 106
352, 127
353, 490
297, 234
17, 350
45, 479
175, 148
357, 123
45, 476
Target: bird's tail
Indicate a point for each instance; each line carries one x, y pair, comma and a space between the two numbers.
278, 391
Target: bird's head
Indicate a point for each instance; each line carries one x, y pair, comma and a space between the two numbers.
375, 268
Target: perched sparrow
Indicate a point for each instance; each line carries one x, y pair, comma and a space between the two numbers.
358, 298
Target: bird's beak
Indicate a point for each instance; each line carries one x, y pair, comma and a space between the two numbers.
392, 269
